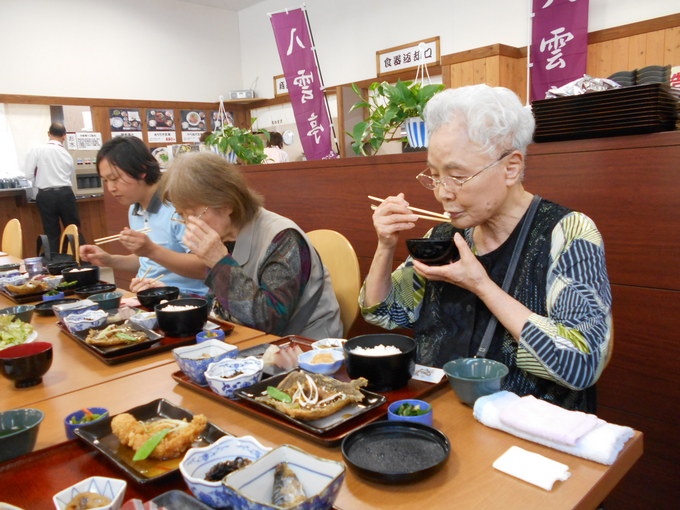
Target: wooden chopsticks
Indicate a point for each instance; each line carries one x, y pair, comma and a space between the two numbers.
109, 239
425, 214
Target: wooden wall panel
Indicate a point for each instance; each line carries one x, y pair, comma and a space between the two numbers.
671, 46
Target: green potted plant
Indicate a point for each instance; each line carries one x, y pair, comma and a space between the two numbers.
235, 142
388, 107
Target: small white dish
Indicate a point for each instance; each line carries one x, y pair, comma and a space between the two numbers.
112, 488
329, 343
310, 361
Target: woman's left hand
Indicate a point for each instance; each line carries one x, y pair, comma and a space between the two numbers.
204, 242
467, 272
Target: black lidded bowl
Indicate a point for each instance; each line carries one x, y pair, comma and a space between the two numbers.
82, 275
56, 268
433, 252
98, 288
185, 322
384, 373
149, 298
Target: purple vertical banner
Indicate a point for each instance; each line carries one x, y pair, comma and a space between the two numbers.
304, 83
559, 44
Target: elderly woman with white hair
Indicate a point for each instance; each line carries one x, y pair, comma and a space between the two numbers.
551, 322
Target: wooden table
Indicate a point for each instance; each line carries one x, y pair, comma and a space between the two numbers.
466, 481
74, 367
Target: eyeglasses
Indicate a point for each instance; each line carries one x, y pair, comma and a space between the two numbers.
453, 184
179, 219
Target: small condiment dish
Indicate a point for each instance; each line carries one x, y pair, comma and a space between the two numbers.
78, 417
85, 320
210, 334
145, 319
329, 343
228, 375
193, 360
321, 361
112, 488
425, 419
198, 461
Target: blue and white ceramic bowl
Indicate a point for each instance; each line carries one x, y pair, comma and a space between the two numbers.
198, 461
112, 488
145, 319
85, 320
251, 487
193, 360
222, 377
63, 310
310, 361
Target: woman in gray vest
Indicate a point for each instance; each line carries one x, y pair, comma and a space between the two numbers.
262, 269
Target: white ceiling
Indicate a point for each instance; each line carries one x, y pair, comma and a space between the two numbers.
230, 5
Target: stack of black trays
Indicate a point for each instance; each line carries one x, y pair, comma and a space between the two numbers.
624, 111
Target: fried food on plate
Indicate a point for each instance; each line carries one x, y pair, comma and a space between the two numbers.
115, 334
134, 433
314, 396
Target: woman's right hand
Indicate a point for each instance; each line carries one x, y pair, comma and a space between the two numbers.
95, 255
390, 218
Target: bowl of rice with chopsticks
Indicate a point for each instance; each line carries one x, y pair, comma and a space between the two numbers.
182, 317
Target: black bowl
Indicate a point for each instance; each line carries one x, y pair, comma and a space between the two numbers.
55, 268
98, 288
149, 298
85, 275
395, 451
434, 252
384, 373
45, 308
18, 432
185, 322
25, 364
21, 312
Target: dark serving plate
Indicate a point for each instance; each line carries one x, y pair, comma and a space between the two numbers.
322, 426
118, 350
395, 451
179, 500
99, 436
45, 308
22, 298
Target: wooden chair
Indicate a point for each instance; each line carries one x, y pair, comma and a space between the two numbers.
12, 239
70, 237
339, 257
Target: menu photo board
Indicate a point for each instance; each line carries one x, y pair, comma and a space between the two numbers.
216, 122
161, 125
125, 122
193, 124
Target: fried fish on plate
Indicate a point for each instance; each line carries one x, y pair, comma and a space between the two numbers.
134, 433
115, 334
314, 396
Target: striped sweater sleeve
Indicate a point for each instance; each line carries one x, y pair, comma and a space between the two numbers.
571, 344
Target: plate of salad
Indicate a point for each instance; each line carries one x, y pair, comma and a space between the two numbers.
15, 332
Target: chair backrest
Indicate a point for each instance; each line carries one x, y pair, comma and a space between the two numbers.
12, 239
339, 257
72, 242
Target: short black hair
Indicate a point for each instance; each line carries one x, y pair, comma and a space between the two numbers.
275, 139
132, 156
57, 129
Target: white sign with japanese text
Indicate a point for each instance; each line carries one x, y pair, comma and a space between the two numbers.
408, 56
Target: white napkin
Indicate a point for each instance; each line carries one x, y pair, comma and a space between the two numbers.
543, 419
532, 467
602, 444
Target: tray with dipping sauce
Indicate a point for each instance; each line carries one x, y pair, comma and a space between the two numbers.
99, 436
119, 354
327, 433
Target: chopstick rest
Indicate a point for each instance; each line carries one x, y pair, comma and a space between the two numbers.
532, 467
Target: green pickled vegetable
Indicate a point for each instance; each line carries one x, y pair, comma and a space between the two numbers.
407, 409
277, 394
126, 337
87, 417
150, 445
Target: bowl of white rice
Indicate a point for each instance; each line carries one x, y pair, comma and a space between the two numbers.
387, 360
182, 317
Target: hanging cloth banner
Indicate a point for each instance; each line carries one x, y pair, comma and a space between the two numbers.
559, 44
301, 70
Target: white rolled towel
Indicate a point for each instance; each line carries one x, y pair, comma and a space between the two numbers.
601, 444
